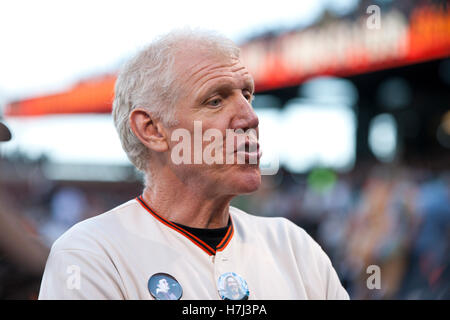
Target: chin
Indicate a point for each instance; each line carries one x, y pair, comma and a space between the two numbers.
247, 180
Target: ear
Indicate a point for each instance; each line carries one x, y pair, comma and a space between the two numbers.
149, 131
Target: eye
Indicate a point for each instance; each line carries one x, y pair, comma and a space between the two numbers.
215, 103
248, 95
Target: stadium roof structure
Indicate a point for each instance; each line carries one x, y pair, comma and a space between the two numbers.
337, 47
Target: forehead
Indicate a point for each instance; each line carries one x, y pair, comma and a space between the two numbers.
200, 70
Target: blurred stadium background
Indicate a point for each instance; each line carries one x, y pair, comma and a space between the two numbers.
356, 116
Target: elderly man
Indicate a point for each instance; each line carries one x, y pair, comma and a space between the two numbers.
182, 228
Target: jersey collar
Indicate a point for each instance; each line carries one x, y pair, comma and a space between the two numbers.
198, 242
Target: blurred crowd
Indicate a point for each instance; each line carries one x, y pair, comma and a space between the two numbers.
396, 217
35, 211
391, 216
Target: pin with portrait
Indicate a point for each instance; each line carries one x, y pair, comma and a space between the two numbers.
232, 287
163, 286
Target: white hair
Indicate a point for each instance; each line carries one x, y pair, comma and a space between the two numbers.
148, 81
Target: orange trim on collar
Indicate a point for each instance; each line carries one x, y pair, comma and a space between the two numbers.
226, 238
198, 242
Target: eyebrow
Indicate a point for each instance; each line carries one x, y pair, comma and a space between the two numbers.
225, 84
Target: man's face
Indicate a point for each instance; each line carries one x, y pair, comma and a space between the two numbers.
163, 285
216, 92
232, 285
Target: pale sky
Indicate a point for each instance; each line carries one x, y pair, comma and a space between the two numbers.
47, 45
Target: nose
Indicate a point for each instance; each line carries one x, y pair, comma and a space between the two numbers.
245, 117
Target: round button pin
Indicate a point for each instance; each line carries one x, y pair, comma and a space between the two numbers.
163, 286
232, 287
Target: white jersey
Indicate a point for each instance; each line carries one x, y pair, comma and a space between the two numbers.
113, 256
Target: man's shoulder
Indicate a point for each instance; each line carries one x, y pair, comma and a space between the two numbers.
261, 220
88, 234
279, 225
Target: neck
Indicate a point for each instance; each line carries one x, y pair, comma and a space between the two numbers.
190, 204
